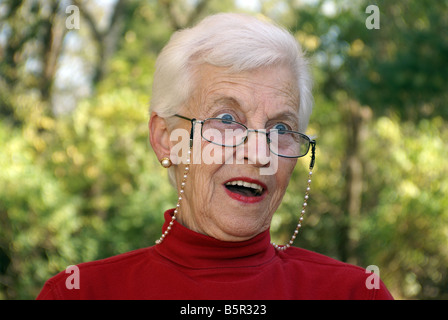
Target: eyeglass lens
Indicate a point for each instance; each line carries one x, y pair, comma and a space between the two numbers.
229, 133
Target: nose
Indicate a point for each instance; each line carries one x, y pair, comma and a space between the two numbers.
256, 148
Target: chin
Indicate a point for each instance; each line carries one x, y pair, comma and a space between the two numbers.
240, 225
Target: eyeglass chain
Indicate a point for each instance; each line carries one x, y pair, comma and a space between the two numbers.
181, 193
302, 213
276, 246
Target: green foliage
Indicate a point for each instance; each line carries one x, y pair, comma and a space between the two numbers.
92, 189
407, 229
80, 187
37, 216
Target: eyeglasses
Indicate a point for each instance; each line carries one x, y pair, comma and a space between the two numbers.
229, 133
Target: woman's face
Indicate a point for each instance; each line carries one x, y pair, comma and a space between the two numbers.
260, 99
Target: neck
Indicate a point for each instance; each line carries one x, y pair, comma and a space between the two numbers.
191, 249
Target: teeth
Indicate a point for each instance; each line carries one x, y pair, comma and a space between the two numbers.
246, 184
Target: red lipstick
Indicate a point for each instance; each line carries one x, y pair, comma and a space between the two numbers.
245, 189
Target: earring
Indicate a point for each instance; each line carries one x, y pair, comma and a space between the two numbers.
166, 162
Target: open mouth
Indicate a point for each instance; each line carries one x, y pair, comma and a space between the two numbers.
246, 190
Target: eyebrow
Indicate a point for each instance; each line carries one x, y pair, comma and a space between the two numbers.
289, 116
233, 102
220, 101
230, 101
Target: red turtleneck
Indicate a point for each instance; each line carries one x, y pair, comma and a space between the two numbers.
188, 265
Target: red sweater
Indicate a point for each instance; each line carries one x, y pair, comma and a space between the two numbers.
188, 265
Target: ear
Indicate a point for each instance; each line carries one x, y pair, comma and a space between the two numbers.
159, 136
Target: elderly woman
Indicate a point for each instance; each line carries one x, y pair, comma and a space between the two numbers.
230, 104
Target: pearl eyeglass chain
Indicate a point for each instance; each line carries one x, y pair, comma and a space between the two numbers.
302, 213
276, 246
179, 199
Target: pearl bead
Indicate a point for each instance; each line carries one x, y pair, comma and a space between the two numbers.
296, 231
166, 163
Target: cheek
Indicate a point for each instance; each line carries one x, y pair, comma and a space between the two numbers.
206, 162
284, 173
212, 154
200, 181
206, 153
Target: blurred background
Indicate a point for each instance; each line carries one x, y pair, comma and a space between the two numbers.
79, 181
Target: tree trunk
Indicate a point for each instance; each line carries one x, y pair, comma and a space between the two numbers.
106, 40
356, 119
54, 33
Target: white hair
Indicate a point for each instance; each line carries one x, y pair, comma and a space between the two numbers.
234, 41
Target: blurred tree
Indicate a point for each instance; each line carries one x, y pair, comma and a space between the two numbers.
82, 185
33, 32
107, 36
397, 70
407, 60
405, 227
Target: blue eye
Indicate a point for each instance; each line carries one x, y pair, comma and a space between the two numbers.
280, 127
226, 116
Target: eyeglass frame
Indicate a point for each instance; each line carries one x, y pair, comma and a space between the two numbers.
312, 142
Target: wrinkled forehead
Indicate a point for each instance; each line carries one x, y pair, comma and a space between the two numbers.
269, 89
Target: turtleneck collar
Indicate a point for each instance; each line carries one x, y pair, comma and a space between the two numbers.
194, 250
